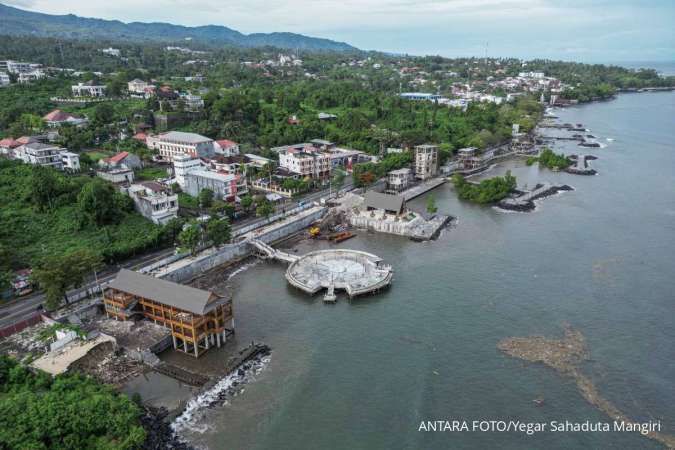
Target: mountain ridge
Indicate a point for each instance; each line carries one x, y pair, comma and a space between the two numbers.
16, 21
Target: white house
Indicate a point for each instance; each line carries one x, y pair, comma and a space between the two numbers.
4, 79
154, 201
176, 143
88, 89
184, 164
70, 161
40, 154
57, 118
33, 75
226, 147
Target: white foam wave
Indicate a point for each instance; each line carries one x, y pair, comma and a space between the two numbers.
226, 388
241, 269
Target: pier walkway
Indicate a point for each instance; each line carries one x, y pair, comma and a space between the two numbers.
270, 252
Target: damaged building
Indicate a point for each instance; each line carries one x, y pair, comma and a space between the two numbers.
198, 319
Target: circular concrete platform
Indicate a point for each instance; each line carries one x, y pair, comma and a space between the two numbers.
353, 271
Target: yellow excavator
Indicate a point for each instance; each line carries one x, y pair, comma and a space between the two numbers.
314, 232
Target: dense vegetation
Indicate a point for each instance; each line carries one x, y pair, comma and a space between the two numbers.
487, 191
45, 213
66, 412
551, 160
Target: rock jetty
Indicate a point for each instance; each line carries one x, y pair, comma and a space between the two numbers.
524, 200
581, 166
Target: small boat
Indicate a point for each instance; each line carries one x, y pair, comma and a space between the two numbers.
539, 401
342, 236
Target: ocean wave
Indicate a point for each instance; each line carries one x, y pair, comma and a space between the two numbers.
241, 269
191, 419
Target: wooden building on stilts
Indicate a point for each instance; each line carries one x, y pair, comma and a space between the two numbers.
197, 319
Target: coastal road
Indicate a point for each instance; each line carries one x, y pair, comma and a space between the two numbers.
25, 307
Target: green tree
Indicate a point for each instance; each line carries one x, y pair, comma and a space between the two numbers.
97, 201
218, 231
56, 274
206, 198
191, 236
44, 187
172, 229
264, 208
246, 202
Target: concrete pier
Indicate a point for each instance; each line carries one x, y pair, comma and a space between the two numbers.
525, 201
581, 166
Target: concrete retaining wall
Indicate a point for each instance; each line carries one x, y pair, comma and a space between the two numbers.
233, 252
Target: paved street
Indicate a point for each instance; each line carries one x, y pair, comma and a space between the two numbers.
20, 309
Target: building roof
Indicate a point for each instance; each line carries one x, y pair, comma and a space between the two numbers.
140, 136
116, 158
26, 140
177, 295
58, 116
224, 143
9, 143
39, 146
388, 202
182, 136
218, 176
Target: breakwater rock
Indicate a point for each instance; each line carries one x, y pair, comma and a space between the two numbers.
523, 201
581, 166
159, 434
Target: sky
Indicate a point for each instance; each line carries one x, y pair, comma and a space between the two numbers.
580, 30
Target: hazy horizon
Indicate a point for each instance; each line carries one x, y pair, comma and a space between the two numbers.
596, 31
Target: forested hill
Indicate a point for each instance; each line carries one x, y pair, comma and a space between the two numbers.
14, 21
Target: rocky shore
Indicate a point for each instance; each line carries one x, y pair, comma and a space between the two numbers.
523, 201
565, 356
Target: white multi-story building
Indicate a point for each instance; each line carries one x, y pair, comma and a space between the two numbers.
112, 51
40, 154
70, 161
176, 143
398, 180
88, 89
426, 161
313, 165
154, 201
224, 186
30, 76
184, 164
192, 102
137, 86
17, 67
4, 79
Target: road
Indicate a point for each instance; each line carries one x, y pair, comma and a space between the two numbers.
20, 309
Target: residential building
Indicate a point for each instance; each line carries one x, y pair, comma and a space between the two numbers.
40, 154
468, 158
192, 102
256, 160
17, 67
398, 180
88, 89
226, 147
112, 51
184, 164
57, 118
4, 79
197, 319
124, 160
426, 161
420, 96
120, 176
307, 164
175, 143
33, 75
70, 161
223, 185
137, 87
7, 146
154, 201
